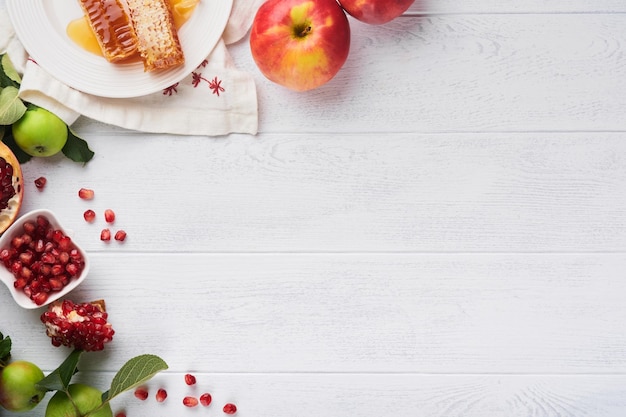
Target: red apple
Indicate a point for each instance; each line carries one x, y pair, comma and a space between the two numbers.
300, 44
375, 12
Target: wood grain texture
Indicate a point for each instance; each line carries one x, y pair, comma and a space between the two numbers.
359, 192
372, 395
513, 6
439, 231
489, 313
548, 72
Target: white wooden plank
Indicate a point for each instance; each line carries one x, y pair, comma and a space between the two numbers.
512, 6
498, 313
463, 73
288, 395
321, 193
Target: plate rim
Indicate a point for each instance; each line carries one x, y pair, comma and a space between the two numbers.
62, 66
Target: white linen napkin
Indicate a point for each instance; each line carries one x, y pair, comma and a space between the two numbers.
222, 101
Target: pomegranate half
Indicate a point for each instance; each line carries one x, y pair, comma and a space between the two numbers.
11, 187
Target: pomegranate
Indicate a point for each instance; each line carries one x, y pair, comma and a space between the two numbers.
86, 194
190, 401
82, 326
105, 235
11, 187
141, 393
40, 183
190, 379
42, 259
161, 395
120, 235
205, 399
89, 215
109, 216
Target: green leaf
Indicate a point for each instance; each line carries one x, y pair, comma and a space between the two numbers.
9, 71
5, 350
11, 107
133, 373
59, 379
22, 157
76, 148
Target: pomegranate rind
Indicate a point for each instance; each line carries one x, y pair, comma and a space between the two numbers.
12, 211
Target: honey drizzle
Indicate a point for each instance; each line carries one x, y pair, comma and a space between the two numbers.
79, 31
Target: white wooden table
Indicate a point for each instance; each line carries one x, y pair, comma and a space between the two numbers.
439, 231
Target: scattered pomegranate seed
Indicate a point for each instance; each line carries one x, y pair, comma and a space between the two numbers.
205, 399
161, 395
190, 379
40, 183
230, 408
86, 193
190, 401
121, 414
105, 235
141, 393
109, 216
120, 235
89, 215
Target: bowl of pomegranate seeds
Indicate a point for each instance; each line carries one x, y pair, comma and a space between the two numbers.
40, 261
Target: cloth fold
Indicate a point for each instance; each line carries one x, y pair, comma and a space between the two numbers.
215, 99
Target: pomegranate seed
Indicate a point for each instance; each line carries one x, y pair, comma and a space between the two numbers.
141, 393
190, 401
230, 408
89, 215
86, 194
109, 216
105, 235
39, 298
40, 183
121, 414
190, 379
205, 399
161, 395
120, 235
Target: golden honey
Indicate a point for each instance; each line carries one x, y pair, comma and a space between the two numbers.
81, 34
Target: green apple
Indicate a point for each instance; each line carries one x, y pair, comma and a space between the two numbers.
17, 386
40, 132
85, 400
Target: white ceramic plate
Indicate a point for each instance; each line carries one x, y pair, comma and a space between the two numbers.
41, 27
